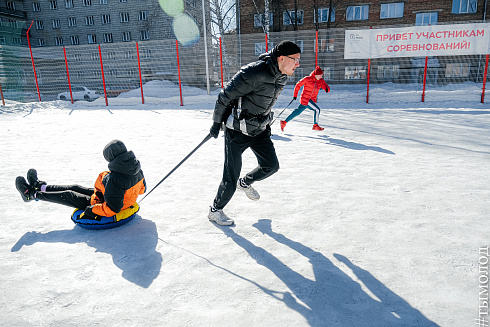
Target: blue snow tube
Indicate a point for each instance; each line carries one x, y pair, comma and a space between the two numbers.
103, 222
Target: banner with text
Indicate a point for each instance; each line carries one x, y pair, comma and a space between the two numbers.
418, 41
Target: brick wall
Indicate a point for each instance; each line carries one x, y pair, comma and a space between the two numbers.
411, 8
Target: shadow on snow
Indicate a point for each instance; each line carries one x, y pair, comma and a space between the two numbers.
337, 142
333, 298
132, 247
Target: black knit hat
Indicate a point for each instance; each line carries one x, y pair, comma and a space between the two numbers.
113, 149
286, 48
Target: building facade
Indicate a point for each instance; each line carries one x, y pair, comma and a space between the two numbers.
300, 20
292, 15
81, 22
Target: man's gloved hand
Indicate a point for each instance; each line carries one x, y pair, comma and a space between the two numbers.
88, 214
294, 98
328, 89
214, 131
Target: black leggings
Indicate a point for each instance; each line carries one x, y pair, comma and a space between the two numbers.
74, 196
235, 144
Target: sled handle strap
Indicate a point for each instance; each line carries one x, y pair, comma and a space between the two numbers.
180, 163
282, 111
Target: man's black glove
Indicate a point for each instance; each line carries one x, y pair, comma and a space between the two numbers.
294, 98
88, 214
214, 131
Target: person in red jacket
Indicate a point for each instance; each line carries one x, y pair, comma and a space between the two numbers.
312, 84
114, 190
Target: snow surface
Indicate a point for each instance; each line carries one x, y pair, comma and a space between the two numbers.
376, 221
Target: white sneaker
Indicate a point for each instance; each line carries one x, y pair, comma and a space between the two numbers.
251, 193
219, 217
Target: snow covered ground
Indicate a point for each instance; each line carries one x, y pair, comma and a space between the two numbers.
376, 221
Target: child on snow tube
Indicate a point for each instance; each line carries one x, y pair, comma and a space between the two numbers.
115, 191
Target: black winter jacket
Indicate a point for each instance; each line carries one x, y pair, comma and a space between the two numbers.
258, 84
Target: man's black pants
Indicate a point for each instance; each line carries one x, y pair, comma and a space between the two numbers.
74, 196
235, 144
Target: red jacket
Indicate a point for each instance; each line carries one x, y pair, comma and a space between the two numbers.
311, 88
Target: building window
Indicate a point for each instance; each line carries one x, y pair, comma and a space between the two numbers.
464, 6
357, 13
123, 1
289, 17
111, 55
388, 72
74, 40
77, 57
103, 2
87, 3
259, 20
192, 3
10, 5
323, 45
106, 19
144, 35
41, 42
113, 72
328, 73
94, 56
131, 72
355, 72
13, 23
69, 3
17, 40
56, 23
72, 21
426, 18
458, 70
36, 6
107, 37
392, 10
39, 25
260, 48
126, 36
128, 55
2, 39
143, 15
323, 15
58, 41
147, 53
53, 4
124, 17
91, 38
89, 20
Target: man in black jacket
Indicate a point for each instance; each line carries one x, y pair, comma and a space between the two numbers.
245, 107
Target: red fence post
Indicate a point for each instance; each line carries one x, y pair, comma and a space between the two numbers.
316, 49
32, 59
68, 75
103, 77
484, 81
221, 61
425, 79
139, 69
178, 69
1, 94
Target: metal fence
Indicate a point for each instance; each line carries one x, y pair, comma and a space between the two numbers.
158, 61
